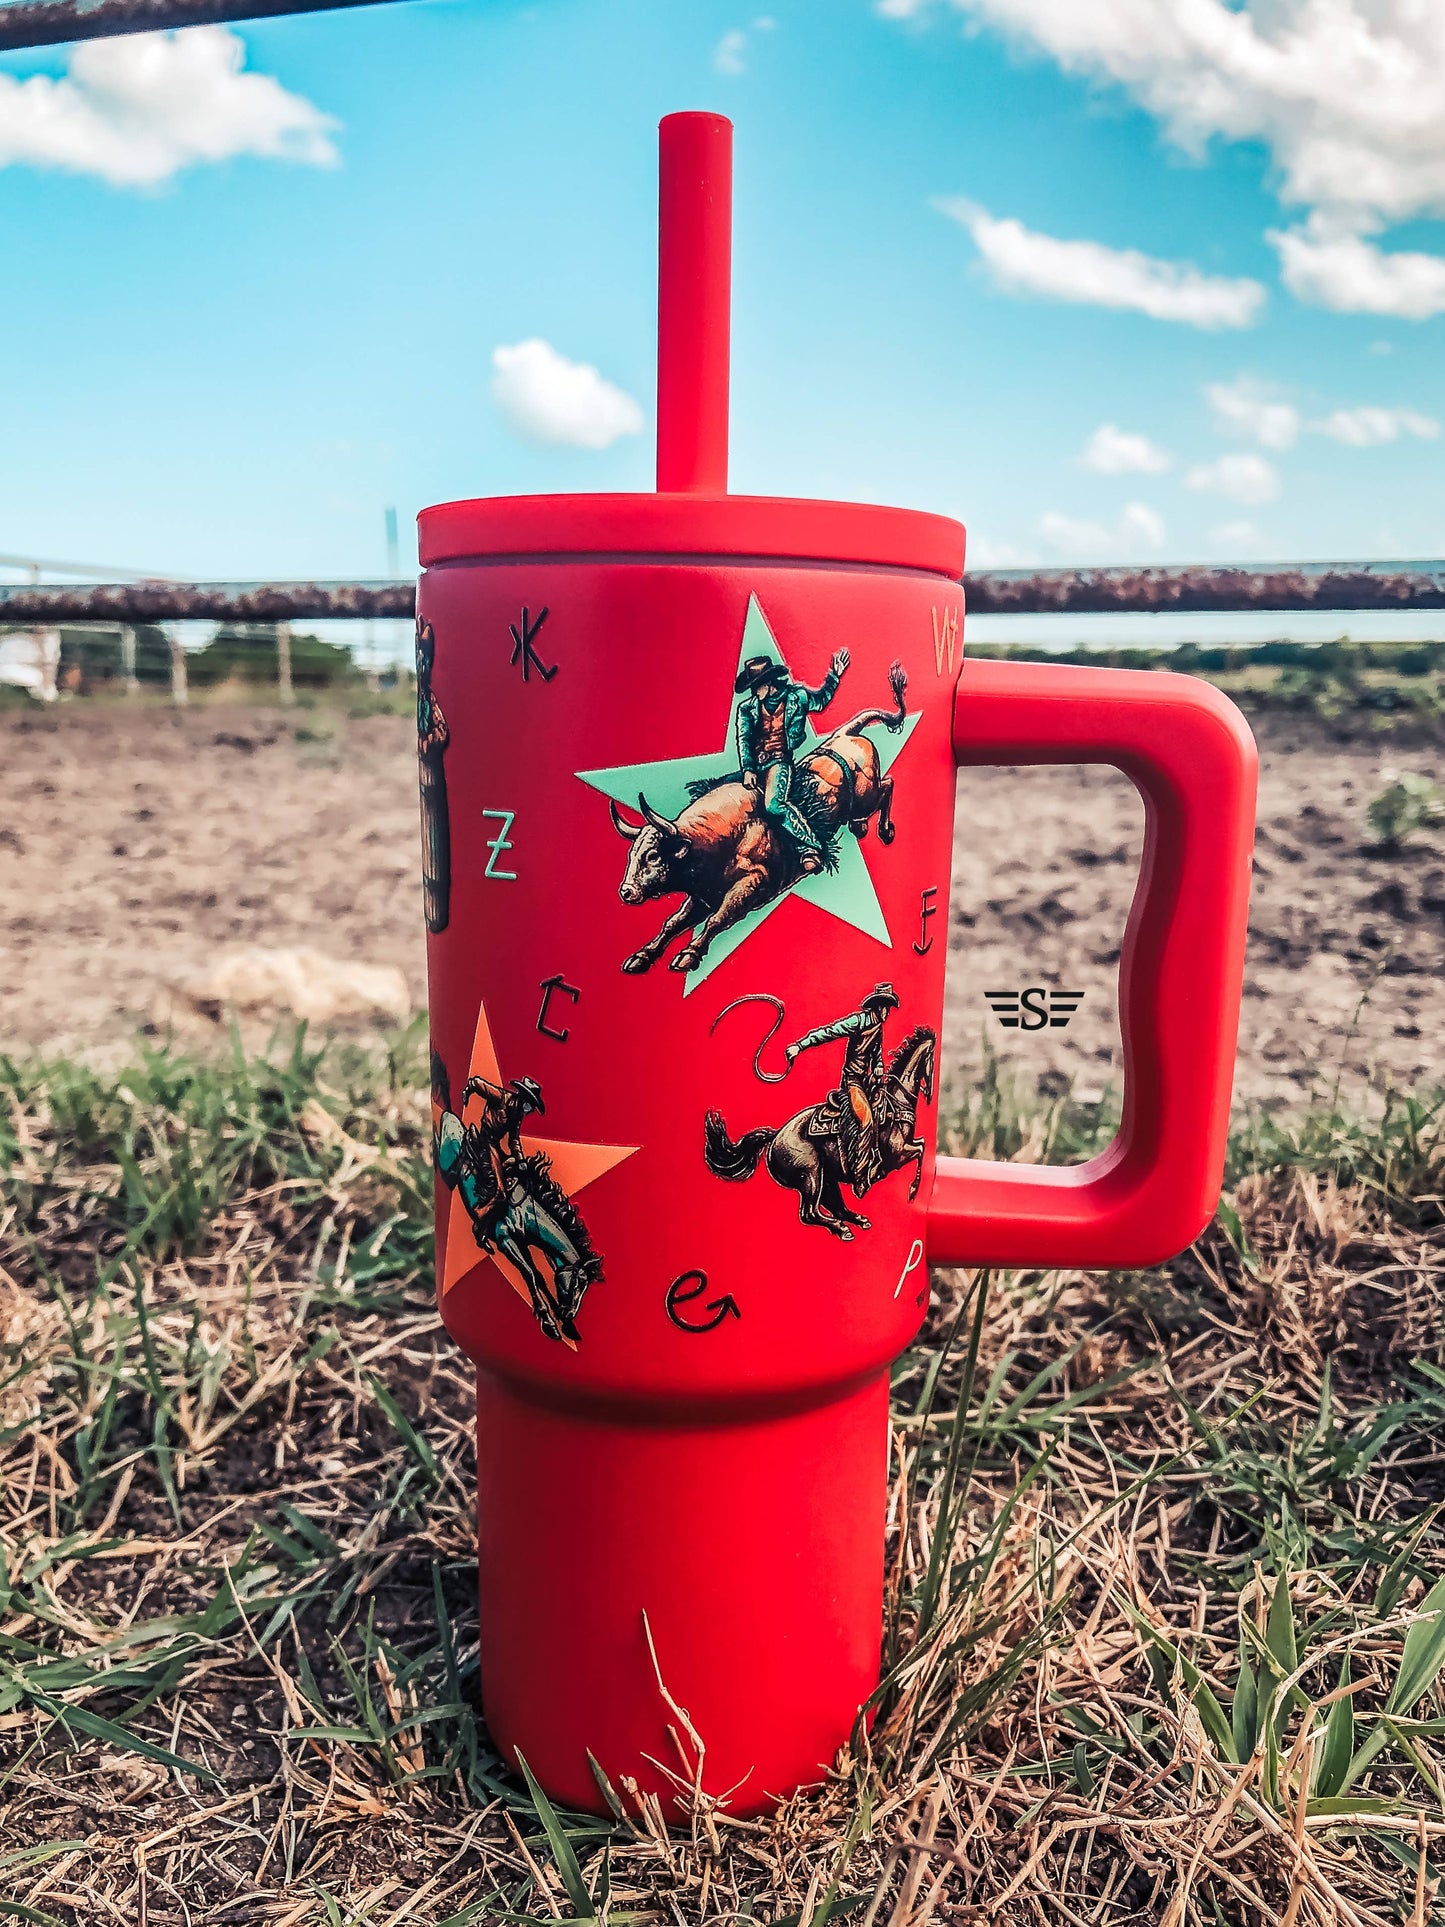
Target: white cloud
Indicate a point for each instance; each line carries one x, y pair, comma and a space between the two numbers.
1244, 478
1140, 523
1240, 539
1371, 427
986, 553
1075, 538
1026, 262
137, 110
552, 399
730, 55
1261, 413
1348, 97
1138, 528
1115, 451
1335, 269
1252, 409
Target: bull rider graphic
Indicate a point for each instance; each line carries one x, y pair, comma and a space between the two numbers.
864, 1130
769, 732
779, 809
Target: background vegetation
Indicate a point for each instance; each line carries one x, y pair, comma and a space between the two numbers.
1350, 685
1347, 684
1164, 1627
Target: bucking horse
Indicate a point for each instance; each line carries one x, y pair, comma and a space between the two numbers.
814, 1166
728, 858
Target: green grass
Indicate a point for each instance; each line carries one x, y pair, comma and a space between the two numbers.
1347, 683
1164, 1628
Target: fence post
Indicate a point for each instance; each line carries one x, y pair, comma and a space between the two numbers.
47, 656
180, 689
283, 661
127, 658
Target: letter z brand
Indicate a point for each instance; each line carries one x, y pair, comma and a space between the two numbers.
499, 843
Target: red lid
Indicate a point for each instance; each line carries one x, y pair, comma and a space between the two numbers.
774, 528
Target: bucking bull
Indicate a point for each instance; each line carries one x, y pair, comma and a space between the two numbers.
728, 858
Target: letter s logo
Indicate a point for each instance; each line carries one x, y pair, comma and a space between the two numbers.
1034, 1008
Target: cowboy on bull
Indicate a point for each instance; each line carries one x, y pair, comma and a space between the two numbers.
512, 1203
771, 723
849, 1111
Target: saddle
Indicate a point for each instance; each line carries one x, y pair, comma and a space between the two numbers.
835, 1115
830, 1117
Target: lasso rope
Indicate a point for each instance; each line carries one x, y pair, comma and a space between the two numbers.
758, 997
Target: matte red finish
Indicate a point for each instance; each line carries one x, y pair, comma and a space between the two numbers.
772, 528
694, 296
1192, 756
731, 1484
756, 1554
645, 654
682, 1507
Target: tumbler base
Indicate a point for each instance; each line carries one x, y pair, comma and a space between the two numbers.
753, 1554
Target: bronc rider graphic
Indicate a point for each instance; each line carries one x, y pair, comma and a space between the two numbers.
515, 1206
770, 728
849, 1112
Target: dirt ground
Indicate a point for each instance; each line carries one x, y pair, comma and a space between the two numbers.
137, 842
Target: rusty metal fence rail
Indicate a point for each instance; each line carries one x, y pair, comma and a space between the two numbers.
51, 23
112, 602
1284, 588
1216, 590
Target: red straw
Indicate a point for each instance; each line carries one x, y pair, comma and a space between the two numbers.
694, 300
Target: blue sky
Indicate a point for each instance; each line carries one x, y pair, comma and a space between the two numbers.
239, 317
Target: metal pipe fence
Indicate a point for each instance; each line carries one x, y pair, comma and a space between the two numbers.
1294, 587
1282, 588
112, 602
51, 23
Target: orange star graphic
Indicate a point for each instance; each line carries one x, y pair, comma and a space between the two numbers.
574, 1167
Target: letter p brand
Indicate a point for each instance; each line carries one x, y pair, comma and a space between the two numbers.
910, 1264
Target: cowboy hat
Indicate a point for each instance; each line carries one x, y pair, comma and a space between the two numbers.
531, 1090
757, 672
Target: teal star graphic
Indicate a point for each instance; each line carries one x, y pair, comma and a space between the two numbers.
846, 892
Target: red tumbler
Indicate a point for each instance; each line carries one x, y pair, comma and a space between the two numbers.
688, 767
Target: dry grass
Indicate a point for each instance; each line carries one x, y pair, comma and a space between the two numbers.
1139, 1525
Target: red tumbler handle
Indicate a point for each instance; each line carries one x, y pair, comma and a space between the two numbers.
1192, 756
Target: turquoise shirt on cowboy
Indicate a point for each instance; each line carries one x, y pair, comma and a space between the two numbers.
797, 703
456, 1172
862, 1032
480, 1181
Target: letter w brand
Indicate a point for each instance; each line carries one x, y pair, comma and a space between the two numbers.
945, 638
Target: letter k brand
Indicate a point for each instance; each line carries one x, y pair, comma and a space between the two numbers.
523, 651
